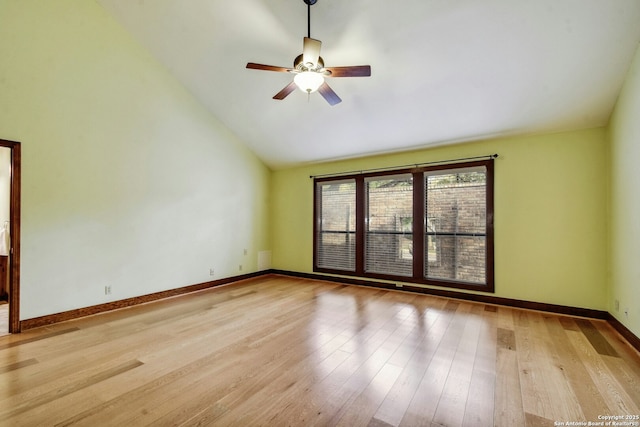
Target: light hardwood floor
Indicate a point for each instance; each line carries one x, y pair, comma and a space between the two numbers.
278, 351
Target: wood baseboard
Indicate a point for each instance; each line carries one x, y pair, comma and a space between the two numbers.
114, 305
487, 299
624, 331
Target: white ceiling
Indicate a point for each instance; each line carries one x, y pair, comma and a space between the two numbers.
443, 71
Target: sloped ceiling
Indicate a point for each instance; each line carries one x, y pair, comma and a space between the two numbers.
443, 71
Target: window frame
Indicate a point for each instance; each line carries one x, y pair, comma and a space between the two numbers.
419, 234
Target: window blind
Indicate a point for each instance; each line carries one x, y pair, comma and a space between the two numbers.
336, 227
455, 225
389, 225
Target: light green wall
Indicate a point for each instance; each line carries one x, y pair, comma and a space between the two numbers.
625, 202
127, 180
550, 213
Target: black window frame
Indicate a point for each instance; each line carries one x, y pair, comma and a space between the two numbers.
419, 232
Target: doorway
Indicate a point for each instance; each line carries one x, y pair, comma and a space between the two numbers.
10, 157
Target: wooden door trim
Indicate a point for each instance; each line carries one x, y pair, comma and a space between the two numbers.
14, 233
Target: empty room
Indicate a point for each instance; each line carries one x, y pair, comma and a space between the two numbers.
319, 213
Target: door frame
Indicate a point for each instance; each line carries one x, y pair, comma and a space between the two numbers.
14, 233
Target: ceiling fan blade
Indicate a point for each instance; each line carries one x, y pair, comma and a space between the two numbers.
286, 91
353, 71
311, 52
255, 66
328, 94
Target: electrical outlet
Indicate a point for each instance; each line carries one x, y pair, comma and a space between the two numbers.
240, 267
211, 272
617, 305
245, 252
107, 290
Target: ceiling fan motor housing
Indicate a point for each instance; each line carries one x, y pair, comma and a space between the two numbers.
299, 65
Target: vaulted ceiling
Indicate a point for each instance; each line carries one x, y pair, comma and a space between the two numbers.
443, 71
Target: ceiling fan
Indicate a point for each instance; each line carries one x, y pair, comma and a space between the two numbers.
309, 68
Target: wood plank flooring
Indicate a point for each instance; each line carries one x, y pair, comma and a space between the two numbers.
279, 351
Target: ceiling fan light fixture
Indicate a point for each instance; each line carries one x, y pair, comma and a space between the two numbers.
309, 70
308, 81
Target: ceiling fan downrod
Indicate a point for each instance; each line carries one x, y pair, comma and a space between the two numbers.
309, 3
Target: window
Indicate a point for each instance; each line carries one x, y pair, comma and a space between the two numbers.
456, 212
335, 238
431, 225
389, 225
